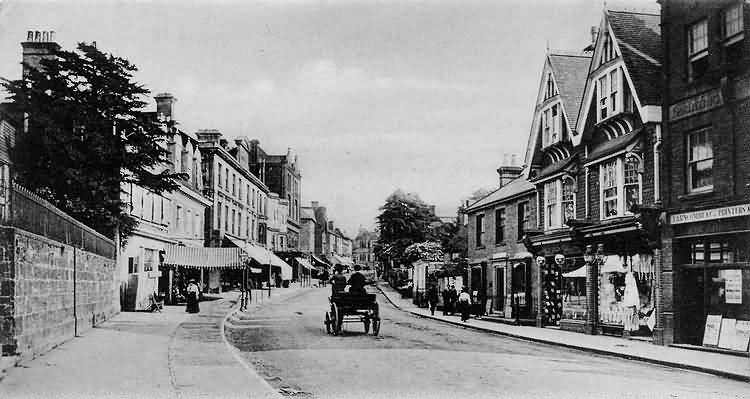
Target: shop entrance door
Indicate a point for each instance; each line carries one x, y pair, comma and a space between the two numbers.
693, 306
500, 289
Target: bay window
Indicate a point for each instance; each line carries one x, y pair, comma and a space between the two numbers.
700, 161
608, 93
620, 186
698, 49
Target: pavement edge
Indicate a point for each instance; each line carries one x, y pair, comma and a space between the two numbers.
269, 391
720, 373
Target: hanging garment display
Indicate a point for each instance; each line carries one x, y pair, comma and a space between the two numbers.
552, 294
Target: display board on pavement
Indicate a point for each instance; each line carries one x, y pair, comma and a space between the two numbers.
711, 331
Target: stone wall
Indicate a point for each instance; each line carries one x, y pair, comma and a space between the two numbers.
39, 277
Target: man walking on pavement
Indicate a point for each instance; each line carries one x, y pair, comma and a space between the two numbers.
446, 300
464, 303
453, 300
432, 298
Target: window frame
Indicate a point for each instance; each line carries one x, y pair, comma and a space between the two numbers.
499, 226
689, 175
619, 175
479, 230
551, 124
606, 95
695, 55
524, 217
552, 220
731, 38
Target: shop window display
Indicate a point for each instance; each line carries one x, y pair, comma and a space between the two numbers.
574, 291
626, 293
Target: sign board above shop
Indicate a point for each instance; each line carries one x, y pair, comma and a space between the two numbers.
711, 214
695, 105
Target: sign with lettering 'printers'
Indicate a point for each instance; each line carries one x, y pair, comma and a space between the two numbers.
711, 214
695, 105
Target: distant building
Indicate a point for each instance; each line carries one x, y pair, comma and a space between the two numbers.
364, 248
282, 175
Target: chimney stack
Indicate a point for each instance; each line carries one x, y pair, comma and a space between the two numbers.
165, 106
209, 135
509, 171
38, 45
594, 34
314, 204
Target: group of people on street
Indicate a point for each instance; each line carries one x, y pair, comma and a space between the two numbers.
452, 301
356, 282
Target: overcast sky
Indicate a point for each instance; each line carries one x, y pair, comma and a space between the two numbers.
426, 96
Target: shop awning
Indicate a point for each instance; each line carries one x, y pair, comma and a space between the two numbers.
580, 272
304, 263
342, 260
203, 258
319, 261
613, 264
286, 270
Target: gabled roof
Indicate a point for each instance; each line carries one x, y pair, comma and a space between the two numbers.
638, 37
570, 71
518, 186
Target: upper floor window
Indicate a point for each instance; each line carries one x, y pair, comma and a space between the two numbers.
551, 125
499, 226
234, 184
608, 49
479, 230
698, 49
559, 200
700, 161
732, 21
524, 213
220, 181
608, 88
621, 182
550, 90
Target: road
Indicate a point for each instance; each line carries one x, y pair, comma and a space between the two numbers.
421, 358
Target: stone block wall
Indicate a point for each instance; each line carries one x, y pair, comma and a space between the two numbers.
38, 277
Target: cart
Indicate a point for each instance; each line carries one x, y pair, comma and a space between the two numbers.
352, 308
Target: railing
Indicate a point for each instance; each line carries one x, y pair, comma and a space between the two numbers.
28, 211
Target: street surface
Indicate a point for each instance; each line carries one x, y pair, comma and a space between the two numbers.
421, 358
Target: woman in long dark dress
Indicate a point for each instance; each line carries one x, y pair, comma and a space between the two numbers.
192, 297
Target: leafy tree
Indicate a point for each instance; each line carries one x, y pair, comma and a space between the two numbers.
404, 220
87, 136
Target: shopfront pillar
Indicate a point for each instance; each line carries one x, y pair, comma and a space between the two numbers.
540, 262
592, 288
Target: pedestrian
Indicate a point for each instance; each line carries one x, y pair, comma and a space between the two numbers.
432, 298
464, 304
192, 297
324, 277
446, 300
338, 281
453, 299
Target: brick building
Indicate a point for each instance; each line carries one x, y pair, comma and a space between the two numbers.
282, 175
706, 232
596, 185
501, 277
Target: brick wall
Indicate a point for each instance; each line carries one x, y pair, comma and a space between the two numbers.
36, 301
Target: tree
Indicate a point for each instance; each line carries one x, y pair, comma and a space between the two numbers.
404, 220
88, 136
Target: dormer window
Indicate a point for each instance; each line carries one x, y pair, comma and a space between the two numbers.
551, 125
698, 49
608, 88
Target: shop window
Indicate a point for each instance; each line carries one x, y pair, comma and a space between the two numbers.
700, 161
697, 252
697, 37
499, 226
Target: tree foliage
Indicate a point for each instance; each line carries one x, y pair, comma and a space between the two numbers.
88, 136
404, 220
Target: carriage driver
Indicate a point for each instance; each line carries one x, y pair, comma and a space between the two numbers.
338, 281
357, 282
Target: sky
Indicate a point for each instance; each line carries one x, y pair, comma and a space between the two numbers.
425, 96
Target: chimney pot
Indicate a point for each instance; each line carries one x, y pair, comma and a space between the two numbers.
30, 36
594, 34
37, 36
52, 36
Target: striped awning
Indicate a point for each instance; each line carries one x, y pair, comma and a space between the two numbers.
203, 258
304, 263
319, 261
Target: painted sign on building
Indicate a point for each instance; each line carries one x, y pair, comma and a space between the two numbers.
695, 105
711, 214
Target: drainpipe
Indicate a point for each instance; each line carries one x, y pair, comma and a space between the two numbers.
657, 162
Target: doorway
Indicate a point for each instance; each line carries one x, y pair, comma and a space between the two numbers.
500, 289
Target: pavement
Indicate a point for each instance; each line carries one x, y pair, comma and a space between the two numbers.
171, 354
416, 357
729, 366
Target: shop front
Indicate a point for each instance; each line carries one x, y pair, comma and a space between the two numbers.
711, 267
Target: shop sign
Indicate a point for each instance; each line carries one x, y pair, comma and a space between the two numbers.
733, 285
695, 105
711, 331
711, 214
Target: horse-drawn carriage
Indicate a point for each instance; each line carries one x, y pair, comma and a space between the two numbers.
353, 308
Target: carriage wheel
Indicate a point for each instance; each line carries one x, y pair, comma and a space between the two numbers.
328, 323
336, 319
366, 322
